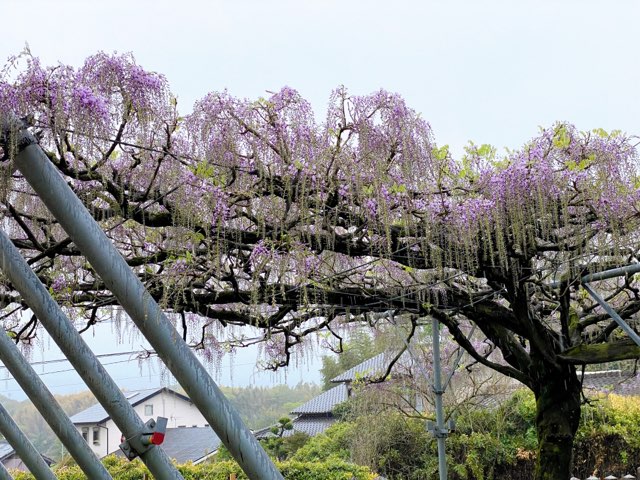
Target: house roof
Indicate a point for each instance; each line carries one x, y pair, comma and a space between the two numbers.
374, 367
312, 424
612, 381
325, 402
190, 444
6, 450
97, 413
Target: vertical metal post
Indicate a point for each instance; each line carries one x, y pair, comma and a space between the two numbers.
43, 400
143, 310
23, 447
440, 431
80, 355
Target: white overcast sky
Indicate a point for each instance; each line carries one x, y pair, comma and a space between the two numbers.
486, 71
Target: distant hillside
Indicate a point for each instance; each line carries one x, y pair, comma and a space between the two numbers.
258, 407
35, 427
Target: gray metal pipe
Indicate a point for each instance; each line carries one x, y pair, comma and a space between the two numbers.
614, 272
440, 431
44, 402
143, 310
23, 447
80, 355
613, 314
5, 475
604, 275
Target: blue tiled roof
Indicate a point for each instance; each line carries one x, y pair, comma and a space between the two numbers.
325, 402
97, 413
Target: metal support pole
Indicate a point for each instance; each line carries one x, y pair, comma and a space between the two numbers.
79, 355
23, 447
4, 475
614, 272
43, 400
613, 314
440, 431
143, 310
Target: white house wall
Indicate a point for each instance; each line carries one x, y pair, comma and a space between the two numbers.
179, 412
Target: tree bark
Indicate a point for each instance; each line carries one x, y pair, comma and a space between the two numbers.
558, 415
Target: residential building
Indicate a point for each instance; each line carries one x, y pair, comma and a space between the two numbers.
104, 437
10, 460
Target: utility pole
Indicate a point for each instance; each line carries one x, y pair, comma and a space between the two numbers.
438, 430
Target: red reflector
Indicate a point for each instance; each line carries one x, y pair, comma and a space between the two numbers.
157, 438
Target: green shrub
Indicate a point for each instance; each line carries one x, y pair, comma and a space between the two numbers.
120, 469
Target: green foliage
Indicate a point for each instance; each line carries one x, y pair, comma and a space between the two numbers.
612, 414
401, 448
333, 444
121, 469
278, 446
487, 444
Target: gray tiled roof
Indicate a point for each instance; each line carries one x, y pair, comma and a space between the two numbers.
312, 425
612, 381
5, 450
97, 414
192, 444
374, 367
325, 402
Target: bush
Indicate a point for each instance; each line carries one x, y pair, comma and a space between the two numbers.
121, 469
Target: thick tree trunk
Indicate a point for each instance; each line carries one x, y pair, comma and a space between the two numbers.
558, 416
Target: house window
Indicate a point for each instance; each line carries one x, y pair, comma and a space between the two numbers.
148, 409
96, 435
85, 433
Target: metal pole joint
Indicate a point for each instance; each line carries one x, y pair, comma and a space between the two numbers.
152, 435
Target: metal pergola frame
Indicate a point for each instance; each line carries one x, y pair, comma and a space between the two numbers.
92, 242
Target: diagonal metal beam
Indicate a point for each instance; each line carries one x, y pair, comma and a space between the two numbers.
143, 310
5, 475
43, 400
604, 275
64, 334
23, 447
612, 313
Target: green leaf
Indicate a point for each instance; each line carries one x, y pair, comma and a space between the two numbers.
562, 139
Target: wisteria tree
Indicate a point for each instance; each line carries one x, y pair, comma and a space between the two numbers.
253, 213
